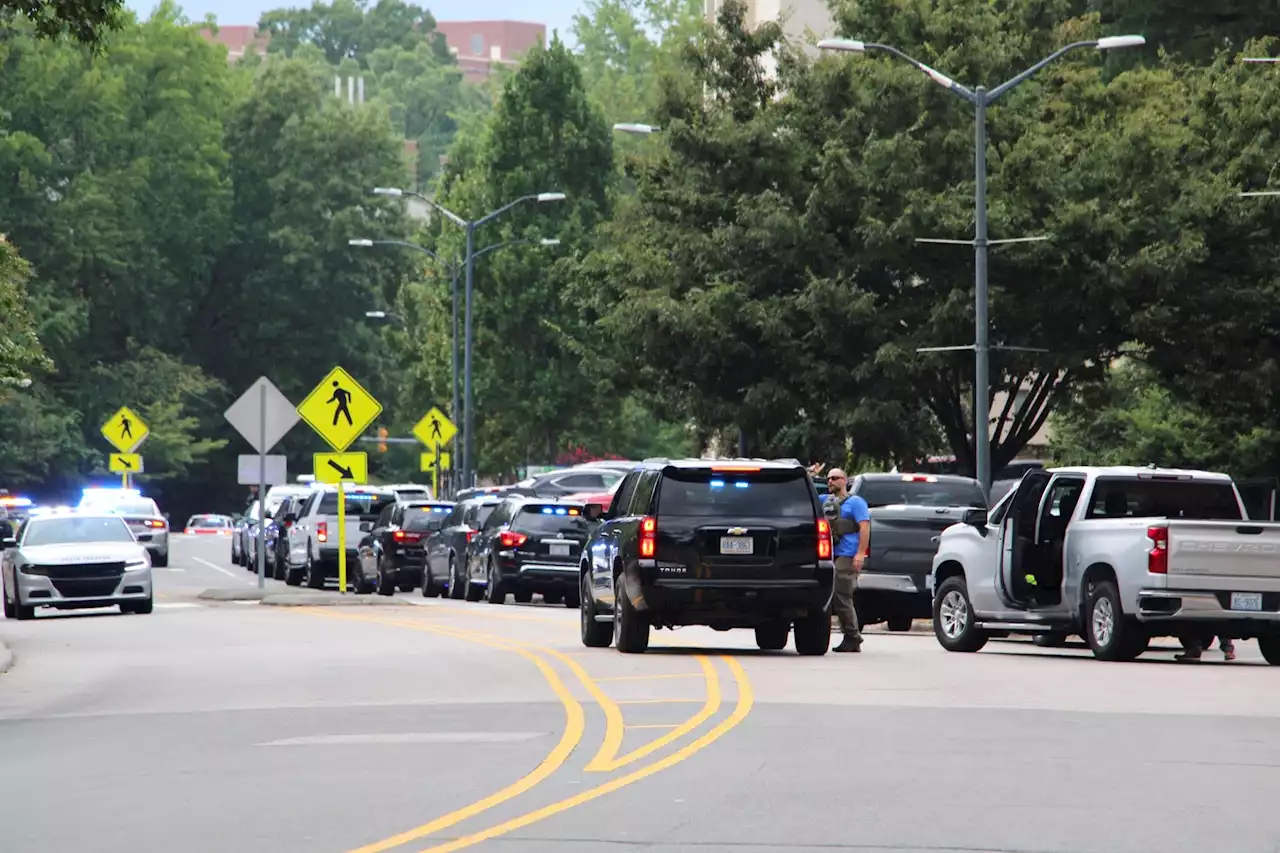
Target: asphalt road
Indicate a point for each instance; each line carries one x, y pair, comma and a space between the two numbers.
228, 726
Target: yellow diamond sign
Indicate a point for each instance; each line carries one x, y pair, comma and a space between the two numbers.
339, 409
435, 428
125, 430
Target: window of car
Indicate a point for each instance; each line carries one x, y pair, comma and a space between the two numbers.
1122, 497
75, 529
544, 520
581, 482
622, 498
920, 490
362, 504
146, 507
784, 493
205, 522
423, 519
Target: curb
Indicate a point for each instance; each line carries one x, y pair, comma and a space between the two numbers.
321, 599
6, 658
224, 594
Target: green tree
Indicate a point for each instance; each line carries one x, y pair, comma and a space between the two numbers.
85, 21
348, 29
543, 136
20, 351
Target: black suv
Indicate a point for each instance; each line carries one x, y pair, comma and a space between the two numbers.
529, 545
394, 550
724, 543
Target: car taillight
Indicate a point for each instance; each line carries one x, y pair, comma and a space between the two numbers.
322, 532
471, 534
648, 537
188, 531
824, 539
407, 536
1158, 556
512, 540
152, 522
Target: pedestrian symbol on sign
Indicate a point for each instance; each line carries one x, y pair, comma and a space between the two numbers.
126, 427
342, 397
435, 429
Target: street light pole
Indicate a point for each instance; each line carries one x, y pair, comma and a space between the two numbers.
980, 98
470, 226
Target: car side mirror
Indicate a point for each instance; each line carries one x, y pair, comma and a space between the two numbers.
366, 526
595, 512
9, 542
975, 518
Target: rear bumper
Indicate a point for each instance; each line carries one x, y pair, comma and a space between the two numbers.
1169, 608
539, 576
731, 602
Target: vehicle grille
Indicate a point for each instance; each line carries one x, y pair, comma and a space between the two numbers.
82, 580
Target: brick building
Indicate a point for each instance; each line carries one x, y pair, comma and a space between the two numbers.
480, 44
238, 40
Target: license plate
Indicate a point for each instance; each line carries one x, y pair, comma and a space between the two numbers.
737, 545
1246, 601
559, 550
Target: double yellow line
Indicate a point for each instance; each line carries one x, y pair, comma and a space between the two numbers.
606, 758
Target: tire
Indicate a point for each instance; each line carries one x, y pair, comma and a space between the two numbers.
523, 596
160, 561
22, 611
953, 618
495, 591
470, 591
553, 597
630, 627
457, 587
572, 600
1111, 634
900, 624
772, 636
429, 588
279, 570
1051, 640
1270, 646
812, 634
139, 607
9, 611
315, 578
385, 585
595, 635
293, 577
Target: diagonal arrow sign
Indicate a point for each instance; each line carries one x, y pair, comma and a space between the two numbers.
126, 463
347, 473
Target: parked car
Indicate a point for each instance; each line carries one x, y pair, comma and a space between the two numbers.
529, 545
313, 535
393, 548
446, 549
1117, 555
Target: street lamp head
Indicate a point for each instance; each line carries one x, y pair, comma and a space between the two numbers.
550, 197
1113, 42
635, 127
376, 315
850, 45
394, 192
1260, 59
364, 243
549, 241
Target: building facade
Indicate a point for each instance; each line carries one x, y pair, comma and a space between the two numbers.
798, 17
479, 45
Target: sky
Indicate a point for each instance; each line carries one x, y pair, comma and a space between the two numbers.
556, 14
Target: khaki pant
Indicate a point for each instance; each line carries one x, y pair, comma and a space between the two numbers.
842, 604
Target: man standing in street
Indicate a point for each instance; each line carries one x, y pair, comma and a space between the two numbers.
851, 528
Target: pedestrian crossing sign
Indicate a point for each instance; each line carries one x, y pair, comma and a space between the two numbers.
125, 430
435, 428
339, 409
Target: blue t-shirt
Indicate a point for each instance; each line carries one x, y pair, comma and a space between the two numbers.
855, 508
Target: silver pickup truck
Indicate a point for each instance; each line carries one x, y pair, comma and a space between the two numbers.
1116, 555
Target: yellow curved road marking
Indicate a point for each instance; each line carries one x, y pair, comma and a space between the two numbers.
746, 699
575, 725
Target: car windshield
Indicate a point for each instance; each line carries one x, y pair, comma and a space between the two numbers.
412, 494
483, 512
736, 494
207, 521
916, 492
147, 508
357, 503
1204, 500
75, 530
541, 520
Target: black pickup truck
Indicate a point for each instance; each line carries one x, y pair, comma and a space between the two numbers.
908, 512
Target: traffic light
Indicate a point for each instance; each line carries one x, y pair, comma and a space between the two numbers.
382, 439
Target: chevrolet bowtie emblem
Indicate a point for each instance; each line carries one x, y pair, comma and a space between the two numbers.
737, 531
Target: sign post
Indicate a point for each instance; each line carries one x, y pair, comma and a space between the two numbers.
263, 416
339, 409
435, 430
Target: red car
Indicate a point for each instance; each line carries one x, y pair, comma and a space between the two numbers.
602, 498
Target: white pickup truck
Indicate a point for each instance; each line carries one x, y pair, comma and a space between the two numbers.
1116, 555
